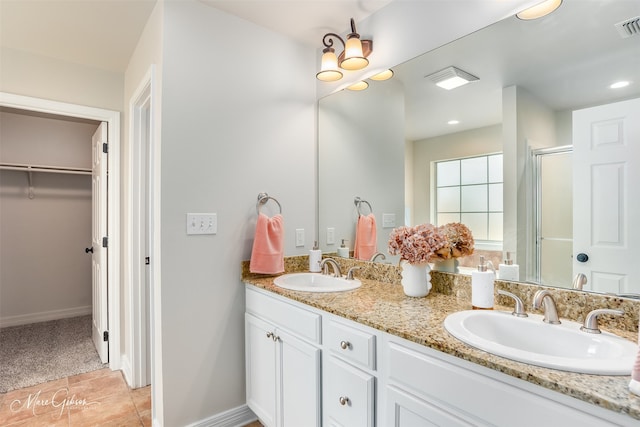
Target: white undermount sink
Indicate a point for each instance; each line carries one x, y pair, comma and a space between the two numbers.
315, 282
530, 340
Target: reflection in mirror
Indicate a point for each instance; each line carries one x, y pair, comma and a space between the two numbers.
382, 144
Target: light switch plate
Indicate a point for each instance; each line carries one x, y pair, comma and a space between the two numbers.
299, 237
202, 223
331, 236
388, 220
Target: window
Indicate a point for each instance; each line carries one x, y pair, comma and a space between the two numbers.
469, 191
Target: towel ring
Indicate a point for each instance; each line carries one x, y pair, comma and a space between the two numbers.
358, 202
263, 198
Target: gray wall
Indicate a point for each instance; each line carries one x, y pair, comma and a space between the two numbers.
44, 271
237, 119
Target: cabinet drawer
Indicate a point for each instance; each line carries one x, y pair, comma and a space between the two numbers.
354, 345
348, 395
303, 323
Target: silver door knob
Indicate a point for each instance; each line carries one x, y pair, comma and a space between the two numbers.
345, 345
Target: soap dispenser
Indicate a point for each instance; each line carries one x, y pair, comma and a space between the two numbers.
343, 250
508, 270
482, 286
315, 257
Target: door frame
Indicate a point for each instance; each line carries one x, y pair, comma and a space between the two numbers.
112, 118
139, 231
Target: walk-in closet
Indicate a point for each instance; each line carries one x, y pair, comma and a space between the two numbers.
45, 241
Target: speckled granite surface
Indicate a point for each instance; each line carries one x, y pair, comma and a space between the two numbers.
380, 303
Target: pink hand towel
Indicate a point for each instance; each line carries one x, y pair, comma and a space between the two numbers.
634, 384
267, 255
366, 240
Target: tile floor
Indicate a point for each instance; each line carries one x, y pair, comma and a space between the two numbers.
99, 398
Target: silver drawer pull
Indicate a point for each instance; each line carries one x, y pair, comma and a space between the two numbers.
344, 400
269, 334
345, 345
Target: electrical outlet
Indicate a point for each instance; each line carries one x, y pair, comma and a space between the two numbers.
331, 236
202, 223
299, 237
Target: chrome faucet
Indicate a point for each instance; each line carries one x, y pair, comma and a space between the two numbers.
543, 298
324, 266
350, 272
591, 321
579, 281
377, 255
518, 309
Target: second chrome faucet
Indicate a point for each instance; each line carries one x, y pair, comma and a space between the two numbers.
543, 299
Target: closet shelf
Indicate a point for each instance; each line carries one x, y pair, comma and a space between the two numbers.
44, 168
29, 169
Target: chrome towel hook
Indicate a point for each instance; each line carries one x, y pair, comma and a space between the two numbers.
263, 198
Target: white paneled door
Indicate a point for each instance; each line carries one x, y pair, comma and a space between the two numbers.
99, 243
606, 180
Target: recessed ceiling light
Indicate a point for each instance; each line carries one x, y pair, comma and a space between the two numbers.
618, 85
539, 10
453, 122
451, 78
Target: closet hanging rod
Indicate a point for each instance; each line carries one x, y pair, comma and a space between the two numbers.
43, 168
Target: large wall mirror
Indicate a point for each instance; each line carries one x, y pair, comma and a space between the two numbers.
383, 144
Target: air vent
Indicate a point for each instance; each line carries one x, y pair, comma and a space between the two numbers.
628, 28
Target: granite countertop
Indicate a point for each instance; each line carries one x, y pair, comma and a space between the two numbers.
384, 306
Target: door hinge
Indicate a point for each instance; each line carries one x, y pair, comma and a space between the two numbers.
105, 242
105, 147
147, 261
105, 336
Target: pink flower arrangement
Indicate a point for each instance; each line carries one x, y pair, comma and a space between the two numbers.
459, 242
416, 244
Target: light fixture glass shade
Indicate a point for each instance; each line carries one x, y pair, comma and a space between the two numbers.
452, 83
329, 69
385, 75
353, 57
539, 10
359, 86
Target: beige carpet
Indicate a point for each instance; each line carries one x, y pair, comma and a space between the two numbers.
40, 352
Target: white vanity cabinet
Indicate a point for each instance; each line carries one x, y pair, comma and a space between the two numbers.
425, 387
282, 357
348, 377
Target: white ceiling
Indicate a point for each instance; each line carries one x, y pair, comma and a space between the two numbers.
104, 33
583, 51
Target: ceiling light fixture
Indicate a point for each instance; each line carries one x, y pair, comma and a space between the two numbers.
385, 75
359, 86
539, 10
354, 56
618, 85
453, 122
451, 78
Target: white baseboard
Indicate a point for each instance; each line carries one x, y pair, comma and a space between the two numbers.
236, 417
125, 367
44, 316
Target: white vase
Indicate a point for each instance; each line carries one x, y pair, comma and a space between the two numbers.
449, 265
416, 279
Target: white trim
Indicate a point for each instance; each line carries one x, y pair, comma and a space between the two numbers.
235, 417
112, 118
125, 367
44, 316
136, 227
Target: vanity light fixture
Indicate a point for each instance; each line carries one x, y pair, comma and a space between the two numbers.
354, 56
359, 86
385, 75
620, 84
451, 78
539, 10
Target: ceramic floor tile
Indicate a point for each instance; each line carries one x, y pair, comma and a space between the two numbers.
110, 409
145, 417
98, 388
142, 398
26, 403
44, 420
89, 375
